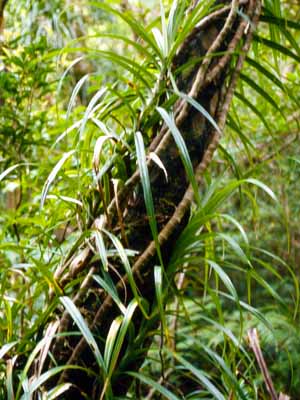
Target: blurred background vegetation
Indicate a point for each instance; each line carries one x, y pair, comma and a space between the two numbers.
240, 272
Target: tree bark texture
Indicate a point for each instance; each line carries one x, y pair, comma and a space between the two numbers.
211, 81
2, 6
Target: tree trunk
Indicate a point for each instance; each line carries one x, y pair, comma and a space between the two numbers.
211, 82
2, 6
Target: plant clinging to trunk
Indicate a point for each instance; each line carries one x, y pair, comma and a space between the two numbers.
184, 142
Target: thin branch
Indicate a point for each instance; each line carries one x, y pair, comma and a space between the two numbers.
254, 343
2, 7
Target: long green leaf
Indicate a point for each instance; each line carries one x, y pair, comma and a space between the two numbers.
224, 278
123, 256
75, 92
142, 163
153, 384
6, 348
195, 104
278, 47
183, 151
101, 249
53, 174
58, 391
260, 90
284, 22
134, 24
200, 376
10, 169
121, 335
111, 339
84, 329
254, 109
36, 383
90, 108
111, 291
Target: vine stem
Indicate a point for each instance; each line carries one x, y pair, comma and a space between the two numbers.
163, 139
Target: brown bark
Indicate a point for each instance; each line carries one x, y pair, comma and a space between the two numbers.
2, 6
211, 82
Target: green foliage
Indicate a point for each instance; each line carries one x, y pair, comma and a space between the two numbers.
233, 268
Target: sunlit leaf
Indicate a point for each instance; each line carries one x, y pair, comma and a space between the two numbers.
53, 174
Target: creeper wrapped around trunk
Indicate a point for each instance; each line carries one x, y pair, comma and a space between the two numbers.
215, 51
